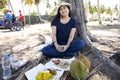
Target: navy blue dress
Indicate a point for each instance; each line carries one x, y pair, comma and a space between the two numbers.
62, 35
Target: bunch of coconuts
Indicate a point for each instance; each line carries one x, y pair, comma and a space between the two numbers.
79, 68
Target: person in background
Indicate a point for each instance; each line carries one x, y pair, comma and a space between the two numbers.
63, 31
21, 17
14, 18
8, 15
2, 23
8, 18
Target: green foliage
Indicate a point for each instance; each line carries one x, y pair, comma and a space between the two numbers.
3, 4
92, 9
28, 2
37, 2
55, 3
115, 9
86, 8
52, 9
111, 12
53, 12
108, 10
3, 10
33, 13
102, 9
48, 4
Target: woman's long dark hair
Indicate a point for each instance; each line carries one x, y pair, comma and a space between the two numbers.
58, 12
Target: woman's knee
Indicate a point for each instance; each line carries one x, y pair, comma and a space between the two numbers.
48, 50
81, 44
45, 50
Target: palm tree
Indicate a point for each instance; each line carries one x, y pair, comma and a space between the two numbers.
29, 3
37, 2
88, 1
92, 10
109, 11
22, 2
9, 3
3, 3
119, 12
99, 12
55, 7
102, 9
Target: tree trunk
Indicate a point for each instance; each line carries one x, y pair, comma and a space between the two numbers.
24, 13
11, 6
38, 13
92, 37
29, 14
79, 16
99, 12
119, 12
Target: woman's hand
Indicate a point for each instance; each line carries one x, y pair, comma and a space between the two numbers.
61, 48
64, 48
57, 46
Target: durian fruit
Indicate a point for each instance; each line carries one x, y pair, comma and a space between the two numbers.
79, 68
85, 60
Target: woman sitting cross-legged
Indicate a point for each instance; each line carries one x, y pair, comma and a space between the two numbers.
63, 31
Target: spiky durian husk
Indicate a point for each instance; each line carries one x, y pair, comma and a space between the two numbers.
85, 60
79, 68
